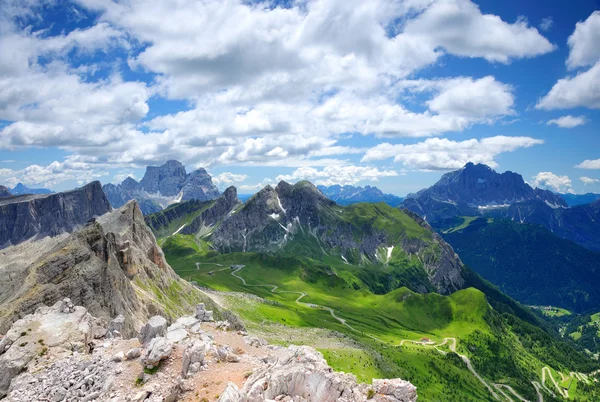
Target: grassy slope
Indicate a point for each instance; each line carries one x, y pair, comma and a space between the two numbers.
400, 314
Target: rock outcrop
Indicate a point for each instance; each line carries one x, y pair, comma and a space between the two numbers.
302, 374
163, 185
62, 326
36, 216
111, 266
52, 355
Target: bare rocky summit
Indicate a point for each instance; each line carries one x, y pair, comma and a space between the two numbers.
112, 266
161, 186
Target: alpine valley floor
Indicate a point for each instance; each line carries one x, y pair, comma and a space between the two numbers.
453, 348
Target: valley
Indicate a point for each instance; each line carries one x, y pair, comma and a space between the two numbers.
388, 328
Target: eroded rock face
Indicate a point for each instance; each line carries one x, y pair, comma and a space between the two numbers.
163, 185
303, 374
112, 266
27, 216
61, 326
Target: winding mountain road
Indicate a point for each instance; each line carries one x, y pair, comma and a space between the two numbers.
452, 346
302, 294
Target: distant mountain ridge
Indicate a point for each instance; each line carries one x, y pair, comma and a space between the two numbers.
573, 200
530, 263
346, 195
4, 192
162, 186
21, 189
27, 216
298, 220
472, 190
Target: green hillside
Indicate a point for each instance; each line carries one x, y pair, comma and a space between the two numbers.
502, 348
529, 263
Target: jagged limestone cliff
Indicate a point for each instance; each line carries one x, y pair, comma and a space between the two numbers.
111, 266
36, 216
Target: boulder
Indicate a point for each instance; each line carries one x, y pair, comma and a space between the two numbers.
156, 326
115, 327
301, 373
158, 349
202, 314
133, 353
231, 394
62, 326
193, 357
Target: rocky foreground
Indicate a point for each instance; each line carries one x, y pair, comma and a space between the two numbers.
62, 353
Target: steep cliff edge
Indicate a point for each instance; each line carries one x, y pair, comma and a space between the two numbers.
37, 216
111, 266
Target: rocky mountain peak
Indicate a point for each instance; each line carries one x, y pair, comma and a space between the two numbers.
20, 189
4, 192
162, 186
475, 187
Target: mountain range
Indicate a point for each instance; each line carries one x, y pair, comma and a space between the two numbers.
4, 192
374, 287
21, 189
477, 190
162, 186
579, 199
30, 216
346, 195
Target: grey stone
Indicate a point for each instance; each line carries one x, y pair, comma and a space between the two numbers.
157, 350
156, 326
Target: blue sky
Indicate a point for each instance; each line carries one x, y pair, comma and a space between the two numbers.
391, 93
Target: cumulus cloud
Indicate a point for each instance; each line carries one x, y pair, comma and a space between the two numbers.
551, 181
583, 89
228, 178
583, 42
589, 164
568, 121
342, 175
444, 154
265, 85
588, 180
52, 174
546, 24
473, 98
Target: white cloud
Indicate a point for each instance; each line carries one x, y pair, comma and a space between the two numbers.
343, 175
583, 42
568, 121
444, 154
551, 181
228, 178
582, 90
588, 180
546, 23
589, 164
460, 28
119, 177
52, 174
473, 98
265, 85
